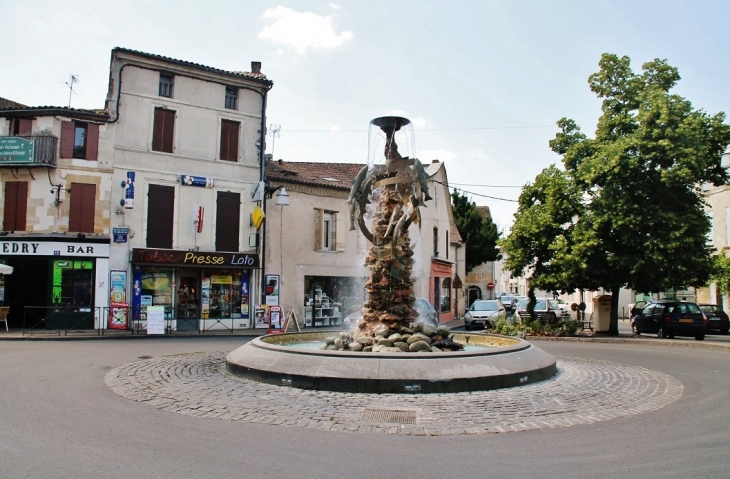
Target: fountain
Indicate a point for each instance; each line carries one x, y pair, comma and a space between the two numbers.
379, 356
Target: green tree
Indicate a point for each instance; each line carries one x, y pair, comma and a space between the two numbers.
721, 274
642, 223
479, 233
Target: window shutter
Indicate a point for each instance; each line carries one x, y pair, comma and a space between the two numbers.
67, 139
92, 141
227, 221
318, 224
16, 205
25, 126
160, 216
339, 231
83, 205
229, 140
163, 130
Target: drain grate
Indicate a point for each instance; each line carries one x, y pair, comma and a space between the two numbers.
392, 416
144, 357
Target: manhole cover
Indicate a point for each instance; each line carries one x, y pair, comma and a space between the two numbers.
392, 416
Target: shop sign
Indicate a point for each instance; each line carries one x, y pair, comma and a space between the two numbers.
221, 279
272, 289
14, 149
155, 320
129, 191
120, 234
54, 248
199, 181
257, 217
195, 258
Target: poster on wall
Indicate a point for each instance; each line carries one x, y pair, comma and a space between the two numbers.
276, 320
118, 313
261, 316
272, 290
155, 320
118, 286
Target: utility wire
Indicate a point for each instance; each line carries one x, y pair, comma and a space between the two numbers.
477, 194
439, 129
487, 186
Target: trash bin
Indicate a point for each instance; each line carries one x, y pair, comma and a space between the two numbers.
602, 313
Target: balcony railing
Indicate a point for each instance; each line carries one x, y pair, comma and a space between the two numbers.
28, 150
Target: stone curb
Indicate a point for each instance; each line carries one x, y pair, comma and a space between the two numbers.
635, 340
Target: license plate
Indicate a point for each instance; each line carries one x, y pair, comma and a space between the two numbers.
686, 320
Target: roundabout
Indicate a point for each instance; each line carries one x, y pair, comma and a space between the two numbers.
583, 391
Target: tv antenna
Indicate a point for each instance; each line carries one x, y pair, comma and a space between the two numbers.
72, 79
274, 133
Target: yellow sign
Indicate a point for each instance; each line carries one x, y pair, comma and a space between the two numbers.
219, 279
257, 217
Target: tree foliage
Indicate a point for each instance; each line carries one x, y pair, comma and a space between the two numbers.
721, 274
479, 233
640, 219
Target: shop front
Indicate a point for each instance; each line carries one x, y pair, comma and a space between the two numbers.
198, 291
440, 290
57, 283
329, 299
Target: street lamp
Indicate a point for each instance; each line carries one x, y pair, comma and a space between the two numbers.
282, 199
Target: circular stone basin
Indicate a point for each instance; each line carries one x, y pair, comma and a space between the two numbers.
499, 362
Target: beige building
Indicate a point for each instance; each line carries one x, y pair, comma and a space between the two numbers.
187, 153
311, 252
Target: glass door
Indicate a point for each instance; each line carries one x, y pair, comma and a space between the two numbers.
187, 301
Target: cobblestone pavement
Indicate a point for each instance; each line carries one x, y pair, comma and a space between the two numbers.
584, 391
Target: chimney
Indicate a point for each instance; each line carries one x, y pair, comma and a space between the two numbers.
255, 67
268, 156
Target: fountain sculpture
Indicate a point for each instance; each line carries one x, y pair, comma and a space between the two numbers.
371, 359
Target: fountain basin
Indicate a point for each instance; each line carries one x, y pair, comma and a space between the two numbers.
502, 362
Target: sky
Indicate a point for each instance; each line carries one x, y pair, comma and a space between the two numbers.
483, 81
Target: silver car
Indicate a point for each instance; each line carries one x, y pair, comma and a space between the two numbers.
483, 313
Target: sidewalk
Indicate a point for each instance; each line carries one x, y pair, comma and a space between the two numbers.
55, 335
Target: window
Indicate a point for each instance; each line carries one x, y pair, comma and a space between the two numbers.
16, 205
229, 140
166, 85
326, 231
162, 133
73, 283
20, 126
79, 140
448, 247
435, 242
227, 221
83, 206
446, 295
231, 98
160, 215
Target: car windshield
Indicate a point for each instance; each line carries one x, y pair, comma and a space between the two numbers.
484, 306
523, 303
540, 304
506, 299
553, 304
683, 308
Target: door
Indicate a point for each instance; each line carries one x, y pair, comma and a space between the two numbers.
436, 300
188, 310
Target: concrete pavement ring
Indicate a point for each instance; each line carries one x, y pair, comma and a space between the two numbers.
584, 391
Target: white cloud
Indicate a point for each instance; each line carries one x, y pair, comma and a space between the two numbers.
426, 156
334, 128
302, 30
334, 6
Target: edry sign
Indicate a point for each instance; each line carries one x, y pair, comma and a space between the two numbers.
14, 149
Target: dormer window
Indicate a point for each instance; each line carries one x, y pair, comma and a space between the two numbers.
231, 98
166, 85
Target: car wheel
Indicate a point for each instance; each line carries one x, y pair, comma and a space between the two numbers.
700, 337
660, 332
635, 329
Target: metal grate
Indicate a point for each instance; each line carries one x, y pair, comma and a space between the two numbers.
392, 416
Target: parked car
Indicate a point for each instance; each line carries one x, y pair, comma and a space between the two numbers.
717, 319
426, 313
563, 306
545, 310
483, 313
515, 301
635, 308
668, 318
507, 302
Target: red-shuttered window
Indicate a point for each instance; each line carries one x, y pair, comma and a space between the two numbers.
79, 140
229, 140
16, 205
21, 126
83, 206
162, 132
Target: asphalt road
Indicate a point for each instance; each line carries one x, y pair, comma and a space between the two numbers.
59, 419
